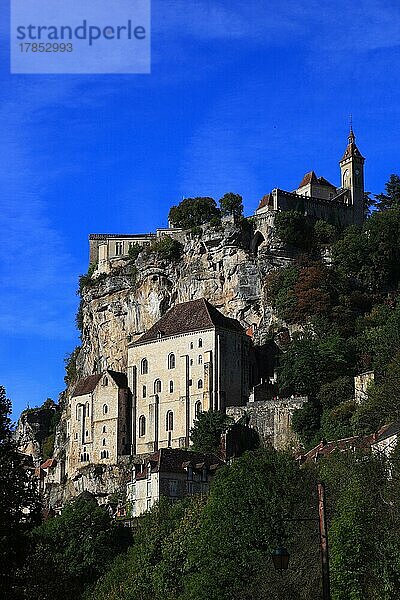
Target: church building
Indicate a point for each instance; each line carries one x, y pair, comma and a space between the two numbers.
317, 197
193, 359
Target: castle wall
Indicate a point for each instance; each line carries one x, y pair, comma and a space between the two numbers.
271, 419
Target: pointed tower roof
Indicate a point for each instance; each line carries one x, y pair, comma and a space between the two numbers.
351, 150
309, 177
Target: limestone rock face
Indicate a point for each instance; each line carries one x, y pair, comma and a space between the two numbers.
32, 429
219, 265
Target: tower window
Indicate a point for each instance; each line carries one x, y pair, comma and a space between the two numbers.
105, 409
197, 409
104, 442
169, 421
144, 366
171, 387
142, 426
200, 343
171, 361
191, 345
157, 386
200, 361
144, 391
104, 429
200, 384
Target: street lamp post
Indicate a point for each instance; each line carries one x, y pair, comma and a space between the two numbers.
280, 555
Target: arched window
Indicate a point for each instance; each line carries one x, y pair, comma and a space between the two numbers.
87, 409
200, 343
104, 429
197, 409
191, 345
144, 391
105, 381
200, 359
104, 442
144, 366
157, 386
105, 409
169, 421
200, 384
171, 387
171, 361
142, 426
78, 412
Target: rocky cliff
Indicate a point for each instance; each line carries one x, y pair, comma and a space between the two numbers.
221, 265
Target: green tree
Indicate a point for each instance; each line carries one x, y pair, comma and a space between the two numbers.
166, 248
324, 233
335, 392
19, 503
364, 526
231, 204
193, 212
294, 228
207, 430
229, 555
390, 199
71, 551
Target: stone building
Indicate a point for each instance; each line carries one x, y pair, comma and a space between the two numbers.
171, 473
193, 359
317, 197
99, 417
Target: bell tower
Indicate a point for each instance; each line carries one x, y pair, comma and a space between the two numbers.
352, 177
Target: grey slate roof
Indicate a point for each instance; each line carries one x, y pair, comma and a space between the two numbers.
189, 317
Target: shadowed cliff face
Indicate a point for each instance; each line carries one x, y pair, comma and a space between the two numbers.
219, 266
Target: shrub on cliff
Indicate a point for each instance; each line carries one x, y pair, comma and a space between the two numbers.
192, 212
167, 248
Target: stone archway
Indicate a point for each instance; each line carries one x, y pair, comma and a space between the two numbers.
256, 242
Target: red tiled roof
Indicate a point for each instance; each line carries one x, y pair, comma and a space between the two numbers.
89, 384
174, 460
49, 463
265, 201
188, 317
308, 178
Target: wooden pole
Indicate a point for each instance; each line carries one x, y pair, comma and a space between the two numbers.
323, 540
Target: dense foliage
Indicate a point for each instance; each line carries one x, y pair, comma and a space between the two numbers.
193, 212
19, 503
166, 248
70, 552
346, 314
208, 427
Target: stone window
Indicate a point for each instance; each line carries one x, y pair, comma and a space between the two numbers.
191, 362
119, 248
144, 391
104, 429
105, 381
171, 361
171, 387
142, 426
200, 384
173, 487
104, 442
105, 409
87, 409
169, 421
191, 345
200, 361
200, 343
144, 366
104, 454
157, 386
197, 409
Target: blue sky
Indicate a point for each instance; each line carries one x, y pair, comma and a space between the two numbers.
243, 97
